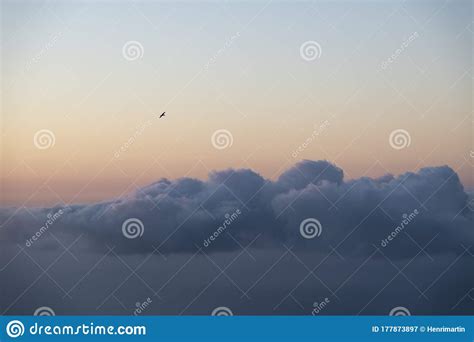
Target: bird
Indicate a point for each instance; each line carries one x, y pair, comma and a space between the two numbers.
163, 114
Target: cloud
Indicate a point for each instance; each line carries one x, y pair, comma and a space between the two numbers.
355, 215
399, 241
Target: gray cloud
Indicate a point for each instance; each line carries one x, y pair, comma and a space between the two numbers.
385, 242
179, 215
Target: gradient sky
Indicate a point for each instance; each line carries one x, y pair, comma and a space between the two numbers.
63, 70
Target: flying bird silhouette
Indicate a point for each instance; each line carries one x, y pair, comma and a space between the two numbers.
163, 114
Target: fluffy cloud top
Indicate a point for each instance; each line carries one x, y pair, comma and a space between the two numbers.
179, 215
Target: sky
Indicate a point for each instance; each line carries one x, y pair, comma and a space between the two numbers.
237, 66
311, 152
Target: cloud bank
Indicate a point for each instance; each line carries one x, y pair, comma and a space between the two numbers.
177, 216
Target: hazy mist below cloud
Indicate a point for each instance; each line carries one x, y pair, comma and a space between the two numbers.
265, 260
